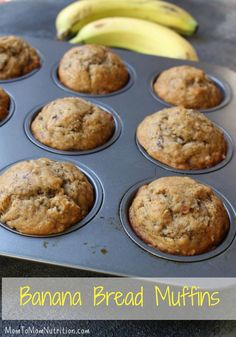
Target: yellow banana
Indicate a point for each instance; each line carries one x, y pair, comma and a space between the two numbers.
75, 16
138, 35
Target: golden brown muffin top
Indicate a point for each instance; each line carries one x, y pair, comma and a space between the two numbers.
17, 57
187, 86
4, 104
43, 196
182, 138
71, 124
179, 215
92, 69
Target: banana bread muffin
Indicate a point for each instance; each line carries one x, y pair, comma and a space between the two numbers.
178, 215
4, 104
92, 69
189, 87
182, 138
42, 196
17, 57
73, 124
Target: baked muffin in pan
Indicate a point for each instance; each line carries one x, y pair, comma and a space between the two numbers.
4, 104
182, 138
17, 57
188, 86
92, 69
73, 124
179, 216
43, 197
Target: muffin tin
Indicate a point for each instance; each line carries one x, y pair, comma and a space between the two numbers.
104, 241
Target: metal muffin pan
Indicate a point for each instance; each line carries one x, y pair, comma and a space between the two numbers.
103, 243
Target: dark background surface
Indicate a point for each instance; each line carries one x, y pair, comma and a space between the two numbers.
215, 43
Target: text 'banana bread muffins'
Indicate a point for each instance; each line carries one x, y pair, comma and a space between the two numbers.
182, 139
179, 216
42, 197
4, 104
17, 57
188, 86
92, 69
72, 124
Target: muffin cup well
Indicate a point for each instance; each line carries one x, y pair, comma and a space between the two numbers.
128, 85
220, 83
118, 127
10, 110
31, 73
124, 216
223, 163
98, 193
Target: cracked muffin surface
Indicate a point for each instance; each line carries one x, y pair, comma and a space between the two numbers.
188, 86
4, 104
178, 215
72, 123
92, 69
182, 138
42, 196
17, 57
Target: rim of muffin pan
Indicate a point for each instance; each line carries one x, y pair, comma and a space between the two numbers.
116, 134
98, 193
11, 109
219, 82
222, 247
31, 73
220, 165
127, 86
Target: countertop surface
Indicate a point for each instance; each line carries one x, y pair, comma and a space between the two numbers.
215, 43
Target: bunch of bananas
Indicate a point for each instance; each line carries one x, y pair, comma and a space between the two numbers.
146, 26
